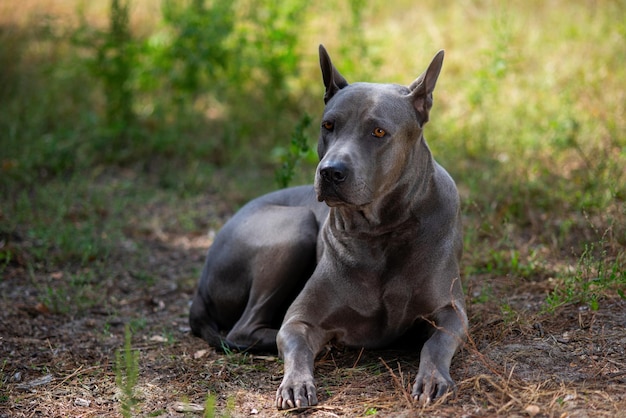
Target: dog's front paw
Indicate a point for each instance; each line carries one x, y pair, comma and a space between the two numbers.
296, 393
431, 385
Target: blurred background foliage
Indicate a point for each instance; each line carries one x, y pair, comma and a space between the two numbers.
203, 96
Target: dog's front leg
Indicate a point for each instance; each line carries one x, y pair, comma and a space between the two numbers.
298, 343
433, 377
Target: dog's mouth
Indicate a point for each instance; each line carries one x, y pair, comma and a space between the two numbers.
334, 196
330, 196
329, 193
334, 202
337, 185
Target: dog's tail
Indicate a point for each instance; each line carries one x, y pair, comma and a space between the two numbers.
210, 334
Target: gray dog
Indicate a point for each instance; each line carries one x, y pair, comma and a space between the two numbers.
368, 269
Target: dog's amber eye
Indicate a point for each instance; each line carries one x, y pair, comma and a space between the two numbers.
379, 133
328, 125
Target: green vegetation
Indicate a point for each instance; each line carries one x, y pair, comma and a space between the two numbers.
3, 398
211, 410
595, 275
209, 406
297, 150
130, 105
371, 411
127, 374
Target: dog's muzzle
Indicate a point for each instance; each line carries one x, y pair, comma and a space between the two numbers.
330, 177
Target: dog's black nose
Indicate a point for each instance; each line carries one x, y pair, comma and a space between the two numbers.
334, 172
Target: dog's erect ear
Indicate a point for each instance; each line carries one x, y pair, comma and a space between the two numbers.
332, 79
422, 88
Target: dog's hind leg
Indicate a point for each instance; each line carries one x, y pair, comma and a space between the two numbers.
282, 258
255, 268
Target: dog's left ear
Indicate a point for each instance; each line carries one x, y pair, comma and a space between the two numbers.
422, 88
333, 81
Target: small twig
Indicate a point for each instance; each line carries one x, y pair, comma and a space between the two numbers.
74, 373
325, 408
358, 358
398, 383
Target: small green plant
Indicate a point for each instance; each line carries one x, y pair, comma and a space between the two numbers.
169, 337
485, 295
210, 410
56, 298
595, 276
371, 411
6, 255
71, 292
234, 357
230, 407
144, 277
291, 156
137, 324
509, 315
106, 329
3, 397
508, 261
209, 406
127, 374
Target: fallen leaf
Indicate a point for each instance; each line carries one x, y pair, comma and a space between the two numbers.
532, 410
199, 354
187, 407
42, 308
82, 402
158, 339
569, 397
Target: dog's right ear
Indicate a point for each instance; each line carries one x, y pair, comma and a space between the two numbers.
333, 81
422, 88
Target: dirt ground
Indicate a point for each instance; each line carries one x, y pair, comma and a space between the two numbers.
63, 364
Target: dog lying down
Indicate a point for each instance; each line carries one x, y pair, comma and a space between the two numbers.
366, 256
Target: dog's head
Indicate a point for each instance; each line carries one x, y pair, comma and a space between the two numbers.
369, 134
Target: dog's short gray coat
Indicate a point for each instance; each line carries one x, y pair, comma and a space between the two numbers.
366, 268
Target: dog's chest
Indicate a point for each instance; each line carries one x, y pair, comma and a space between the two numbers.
375, 310
379, 285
